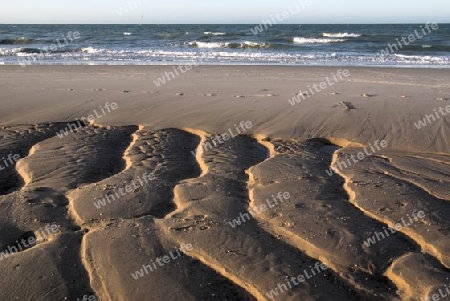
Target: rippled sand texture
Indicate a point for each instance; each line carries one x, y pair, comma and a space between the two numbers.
193, 199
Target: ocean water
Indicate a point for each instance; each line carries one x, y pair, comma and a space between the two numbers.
321, 45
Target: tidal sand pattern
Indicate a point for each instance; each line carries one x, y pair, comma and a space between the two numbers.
281, 210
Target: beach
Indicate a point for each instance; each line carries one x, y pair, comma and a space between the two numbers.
224, 183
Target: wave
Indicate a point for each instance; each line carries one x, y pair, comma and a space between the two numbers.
68, 50
210, 33
30, 50
249, 45
301, 40
90, 55
422, 59
209, 44
90, 50
245, 44
341, 35
14, 41
9, 51
425, 48
127, 33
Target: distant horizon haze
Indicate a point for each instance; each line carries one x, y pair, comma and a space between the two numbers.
231, 12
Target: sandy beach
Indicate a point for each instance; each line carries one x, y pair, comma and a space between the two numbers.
224, 183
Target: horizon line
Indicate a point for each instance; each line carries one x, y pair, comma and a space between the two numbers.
340, 23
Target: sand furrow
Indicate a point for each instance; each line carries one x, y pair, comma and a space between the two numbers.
363, 183
420, 172
199, 151
156, 163
418, 278
294, 240
435, 157
98, 284
43, 272
77, 153
19, 142
212, 198
404, 274
419, 186
203, 257
128, 246
140, 158
150, 151
318, 218
242, 251
126, 156
84, 156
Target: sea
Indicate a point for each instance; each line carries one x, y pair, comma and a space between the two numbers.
293, 44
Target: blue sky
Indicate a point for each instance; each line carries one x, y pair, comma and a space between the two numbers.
230, 11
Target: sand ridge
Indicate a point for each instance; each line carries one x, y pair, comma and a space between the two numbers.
221, 184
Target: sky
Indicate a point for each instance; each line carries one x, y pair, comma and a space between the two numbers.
223, 12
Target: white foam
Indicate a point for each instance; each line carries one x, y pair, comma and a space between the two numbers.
427, 59
341, 35
300, 40
127, 33
232, 54
90, 50
253, 45
9, 51
209, 44
210, 33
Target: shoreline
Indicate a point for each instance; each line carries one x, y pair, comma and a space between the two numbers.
126, 67
215, 65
